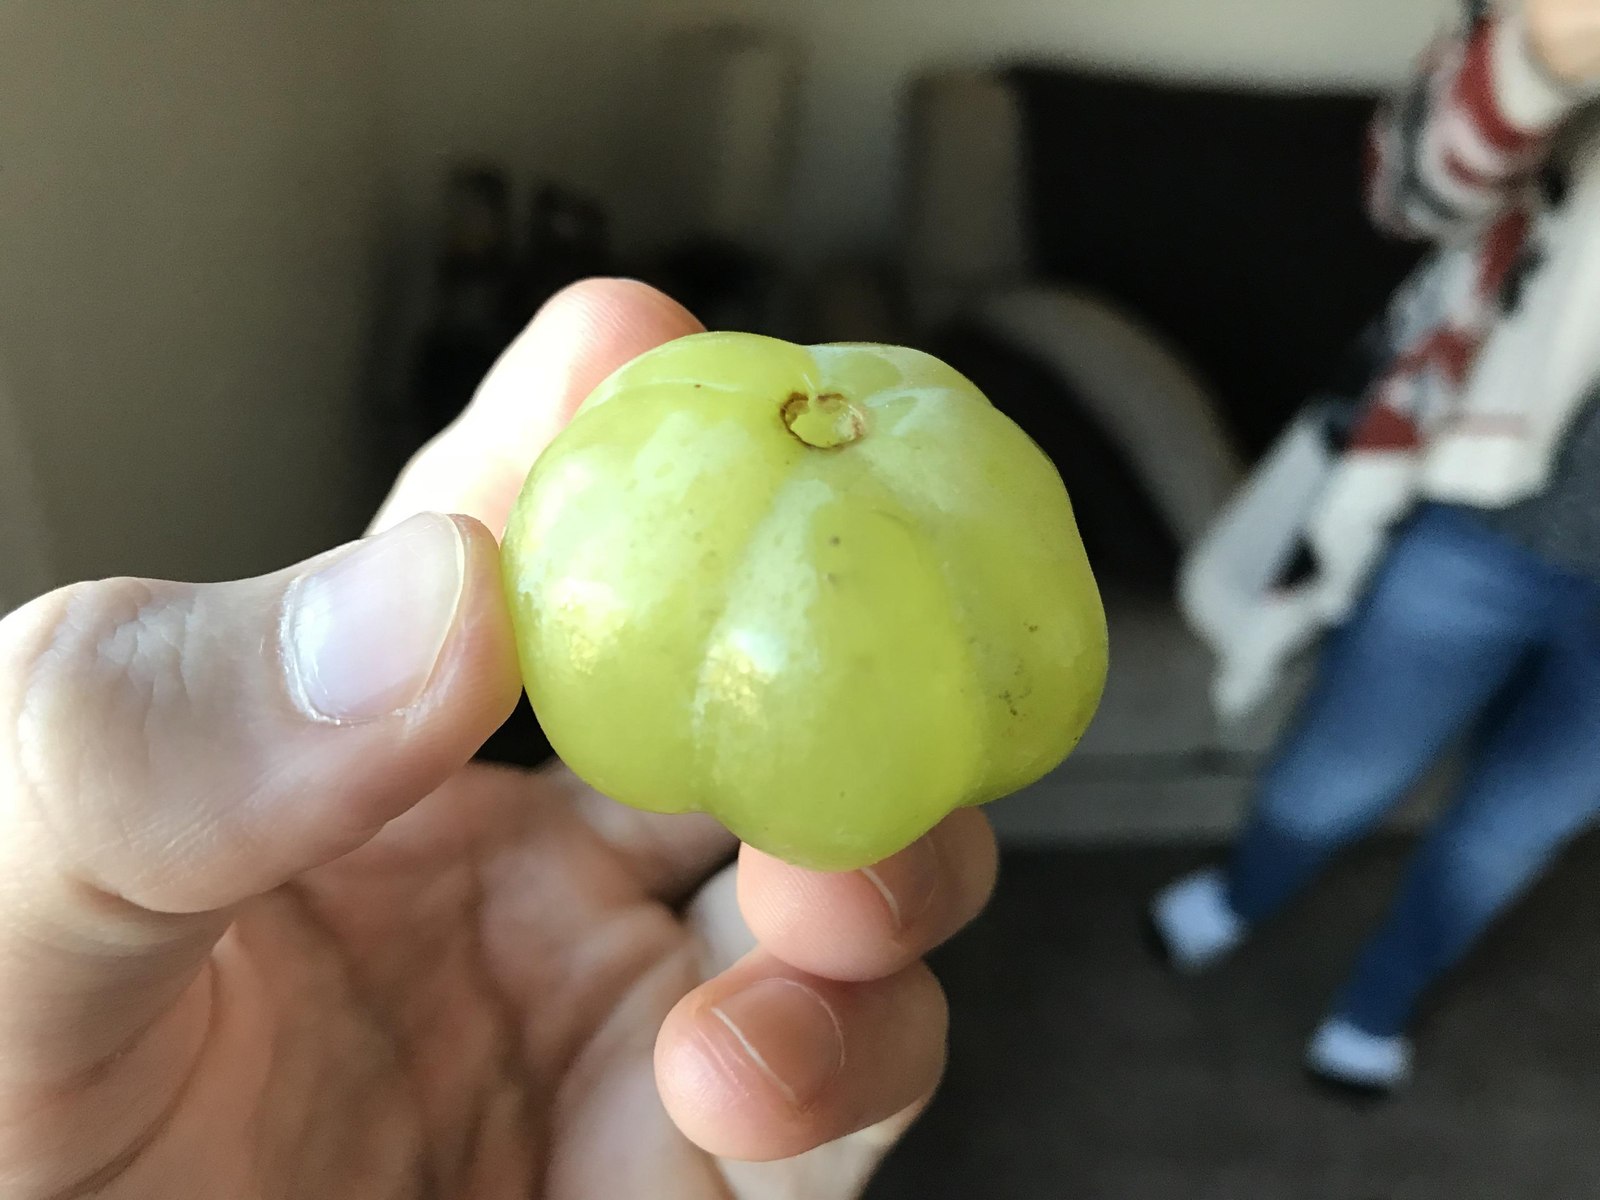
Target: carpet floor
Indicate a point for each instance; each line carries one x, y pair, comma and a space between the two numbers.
1081, 1070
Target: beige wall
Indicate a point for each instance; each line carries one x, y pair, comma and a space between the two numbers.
186, 194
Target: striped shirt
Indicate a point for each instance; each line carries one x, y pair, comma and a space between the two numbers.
1480, 152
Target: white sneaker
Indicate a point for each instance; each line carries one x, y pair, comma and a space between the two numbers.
1344, 1054
1196, 924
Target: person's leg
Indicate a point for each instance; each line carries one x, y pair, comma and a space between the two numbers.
1450, 614
1534, 784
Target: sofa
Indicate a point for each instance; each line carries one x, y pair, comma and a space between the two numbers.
1150, 278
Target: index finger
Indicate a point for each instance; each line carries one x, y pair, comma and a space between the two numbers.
476, 467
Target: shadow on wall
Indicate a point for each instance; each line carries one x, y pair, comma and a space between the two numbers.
715, 158
25, 568
188, 209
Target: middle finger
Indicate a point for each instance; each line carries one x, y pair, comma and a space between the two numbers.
871, 923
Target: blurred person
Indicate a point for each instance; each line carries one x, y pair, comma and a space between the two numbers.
265, 930
1456, 543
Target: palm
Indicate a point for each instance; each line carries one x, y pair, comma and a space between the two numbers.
471, 1000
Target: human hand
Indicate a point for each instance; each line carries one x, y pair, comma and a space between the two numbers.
1565, 37
265, 931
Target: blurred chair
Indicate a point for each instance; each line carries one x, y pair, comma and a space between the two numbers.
1150, 278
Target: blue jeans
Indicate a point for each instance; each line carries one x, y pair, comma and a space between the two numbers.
1461, 631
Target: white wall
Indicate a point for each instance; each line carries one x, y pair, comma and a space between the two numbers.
186, 198
564, 88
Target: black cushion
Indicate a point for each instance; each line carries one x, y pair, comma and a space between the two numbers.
1229, 220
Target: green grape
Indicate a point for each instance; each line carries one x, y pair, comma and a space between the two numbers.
826, 594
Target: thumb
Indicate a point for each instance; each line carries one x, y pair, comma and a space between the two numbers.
173, 749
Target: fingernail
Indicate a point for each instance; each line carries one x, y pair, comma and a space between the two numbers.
907, 881
787, 1032
363, 634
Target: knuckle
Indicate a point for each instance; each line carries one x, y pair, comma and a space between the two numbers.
90, 670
